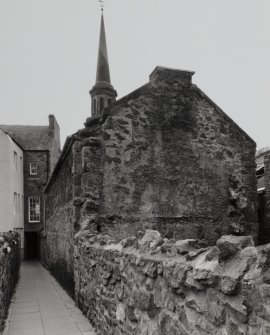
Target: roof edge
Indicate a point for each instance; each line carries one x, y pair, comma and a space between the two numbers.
67, 145
12, 139
223, 113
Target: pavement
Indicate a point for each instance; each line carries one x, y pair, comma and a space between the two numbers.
40, 306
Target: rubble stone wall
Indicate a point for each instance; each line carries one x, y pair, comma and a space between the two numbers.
174, 162
154, 286
61, 219
10, 261
265, 201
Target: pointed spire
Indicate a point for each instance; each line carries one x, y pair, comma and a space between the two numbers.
103, 70
102, 94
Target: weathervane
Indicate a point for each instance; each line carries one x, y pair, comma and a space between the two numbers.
101, 4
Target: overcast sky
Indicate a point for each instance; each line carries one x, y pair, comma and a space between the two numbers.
48, 55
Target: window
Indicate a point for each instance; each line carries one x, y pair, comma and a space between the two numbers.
15, 203
33, 168
15, 157
19, 203
95, 106
101, 103
21, 164
34, 209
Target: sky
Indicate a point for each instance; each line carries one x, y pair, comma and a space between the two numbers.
48, 55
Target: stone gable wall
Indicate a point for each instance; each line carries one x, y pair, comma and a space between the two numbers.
175, 163
154, 286
10, 261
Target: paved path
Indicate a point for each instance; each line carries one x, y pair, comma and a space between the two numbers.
41, 306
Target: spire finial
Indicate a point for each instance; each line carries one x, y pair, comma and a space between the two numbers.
101, 5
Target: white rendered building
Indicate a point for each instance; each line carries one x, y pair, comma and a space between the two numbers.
11, 186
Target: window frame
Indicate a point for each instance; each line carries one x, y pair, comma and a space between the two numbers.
31, 169
29, 209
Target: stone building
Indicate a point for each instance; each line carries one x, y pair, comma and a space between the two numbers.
263, 189
164, 157
41, 148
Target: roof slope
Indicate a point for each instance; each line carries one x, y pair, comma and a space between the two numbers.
165, 74
30, 137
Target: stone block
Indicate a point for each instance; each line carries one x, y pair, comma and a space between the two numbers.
229, 245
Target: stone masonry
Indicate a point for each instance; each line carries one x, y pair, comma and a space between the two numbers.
265, 202
61, 216
149, 285
165, 157
171, 161
10, 260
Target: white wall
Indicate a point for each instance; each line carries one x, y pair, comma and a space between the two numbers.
11, 181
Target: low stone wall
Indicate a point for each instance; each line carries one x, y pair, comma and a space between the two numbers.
10, 261
149, 285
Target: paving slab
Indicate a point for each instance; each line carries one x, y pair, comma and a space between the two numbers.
40, 306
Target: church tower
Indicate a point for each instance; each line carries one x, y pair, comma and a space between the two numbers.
102, 93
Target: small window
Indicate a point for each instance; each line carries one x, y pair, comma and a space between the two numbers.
34, 209
95, 106
19, 203
33, 168
15, 157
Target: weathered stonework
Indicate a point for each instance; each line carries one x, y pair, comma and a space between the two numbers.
164, 157
151, 285
61, 218
265, 201
174, 162
10, 260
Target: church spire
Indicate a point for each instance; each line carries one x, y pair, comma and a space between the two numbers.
102, 93
103, 70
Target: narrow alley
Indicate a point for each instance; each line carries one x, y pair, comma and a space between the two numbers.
41, 306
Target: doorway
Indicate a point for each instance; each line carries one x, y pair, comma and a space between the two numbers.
31, 245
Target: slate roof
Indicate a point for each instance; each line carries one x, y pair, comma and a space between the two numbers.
30, 137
